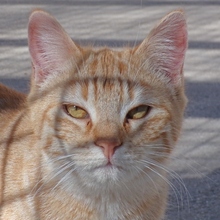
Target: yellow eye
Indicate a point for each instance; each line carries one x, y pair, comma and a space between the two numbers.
138, 112
76, 112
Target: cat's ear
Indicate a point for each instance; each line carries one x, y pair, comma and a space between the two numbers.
163, 51
51, 49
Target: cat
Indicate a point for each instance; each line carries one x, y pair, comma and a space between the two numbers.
92, 139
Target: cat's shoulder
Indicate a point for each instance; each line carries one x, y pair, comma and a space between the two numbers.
10, 99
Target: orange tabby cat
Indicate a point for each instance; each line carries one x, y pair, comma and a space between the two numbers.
93, 138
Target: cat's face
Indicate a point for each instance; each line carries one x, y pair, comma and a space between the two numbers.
106, 116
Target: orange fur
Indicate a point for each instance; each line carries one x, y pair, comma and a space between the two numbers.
104, 166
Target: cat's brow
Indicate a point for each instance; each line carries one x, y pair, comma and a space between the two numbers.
125, 87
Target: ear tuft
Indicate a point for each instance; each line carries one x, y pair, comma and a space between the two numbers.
165, 47
50, 47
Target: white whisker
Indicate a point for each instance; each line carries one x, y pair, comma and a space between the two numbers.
48, 178
140, 170
64, 177
145, 163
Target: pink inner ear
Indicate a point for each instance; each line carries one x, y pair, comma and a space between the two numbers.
180, 44
166, 46
35, 50
176, 53
50, 47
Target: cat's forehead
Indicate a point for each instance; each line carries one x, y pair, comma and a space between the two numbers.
107, 62
105, 90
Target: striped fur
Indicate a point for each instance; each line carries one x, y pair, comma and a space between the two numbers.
53, 165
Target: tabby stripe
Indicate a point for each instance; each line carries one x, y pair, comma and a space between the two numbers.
6, 157
95, 88
84, 90
130, 90
93, 67
122, 67
122, 90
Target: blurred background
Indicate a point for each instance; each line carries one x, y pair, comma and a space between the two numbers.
195, 193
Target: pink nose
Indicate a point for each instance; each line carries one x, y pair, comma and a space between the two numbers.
108, 146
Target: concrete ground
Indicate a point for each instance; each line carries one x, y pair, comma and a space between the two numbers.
120, 22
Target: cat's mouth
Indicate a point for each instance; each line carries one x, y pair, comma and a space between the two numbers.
109, 166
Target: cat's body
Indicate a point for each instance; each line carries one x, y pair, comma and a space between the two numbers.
93, 138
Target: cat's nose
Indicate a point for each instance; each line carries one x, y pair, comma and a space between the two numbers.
108, 146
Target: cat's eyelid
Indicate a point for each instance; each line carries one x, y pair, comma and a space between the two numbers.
75, 104
135, 111
65, 108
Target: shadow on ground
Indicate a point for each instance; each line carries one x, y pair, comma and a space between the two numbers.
204, 99
202, 201
20, 84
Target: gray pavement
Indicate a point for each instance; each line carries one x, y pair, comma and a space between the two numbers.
120, 22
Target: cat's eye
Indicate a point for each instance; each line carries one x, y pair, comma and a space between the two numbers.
138, 112
76, 112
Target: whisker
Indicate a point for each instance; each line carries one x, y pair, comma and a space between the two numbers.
172, 186
140, 170
63, 178
172, 173
46, 179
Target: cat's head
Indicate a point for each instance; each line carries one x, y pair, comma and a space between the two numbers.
107, 115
